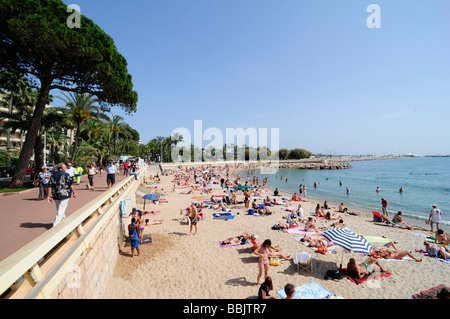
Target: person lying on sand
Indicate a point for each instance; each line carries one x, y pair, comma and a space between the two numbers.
392, 253
315, 241
240, 239
288, 224
435, 251
364, 269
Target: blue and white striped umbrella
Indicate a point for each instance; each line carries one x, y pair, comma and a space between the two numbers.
348, 240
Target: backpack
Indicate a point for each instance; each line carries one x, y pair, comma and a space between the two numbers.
334, 274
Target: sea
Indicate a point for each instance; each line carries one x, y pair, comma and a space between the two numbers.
425, 181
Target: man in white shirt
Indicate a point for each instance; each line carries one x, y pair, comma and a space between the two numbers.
71, 171
435, 217
111, 170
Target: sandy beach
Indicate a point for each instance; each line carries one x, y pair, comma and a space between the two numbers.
176, 265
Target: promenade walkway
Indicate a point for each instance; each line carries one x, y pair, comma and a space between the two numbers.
23, 217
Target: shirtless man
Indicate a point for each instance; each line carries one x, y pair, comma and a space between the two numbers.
193, 217
364, 269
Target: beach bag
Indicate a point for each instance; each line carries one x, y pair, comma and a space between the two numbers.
251, 211
276, 227
322, 249
334, 274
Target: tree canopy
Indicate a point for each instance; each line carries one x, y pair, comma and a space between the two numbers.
36, 42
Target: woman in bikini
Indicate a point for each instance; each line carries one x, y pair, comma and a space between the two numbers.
141, 227
310, 225
265, 252
263, 262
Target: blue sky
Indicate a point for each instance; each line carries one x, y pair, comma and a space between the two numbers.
313, 69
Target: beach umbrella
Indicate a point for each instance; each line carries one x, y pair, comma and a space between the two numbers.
243, 187
348, 239
149, 197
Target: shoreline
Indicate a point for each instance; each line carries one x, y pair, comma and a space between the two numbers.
361, 210
198, 267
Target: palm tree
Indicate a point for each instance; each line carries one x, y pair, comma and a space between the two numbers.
81, 108
56, 138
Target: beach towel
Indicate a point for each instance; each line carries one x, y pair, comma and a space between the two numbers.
298, 231
224, 216
152, 212
429, 293
331, 248
375, 275
311, 290
377, 239
232, 245
153, 222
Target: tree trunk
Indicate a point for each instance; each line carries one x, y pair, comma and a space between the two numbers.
38, 154
75, 144
32, 133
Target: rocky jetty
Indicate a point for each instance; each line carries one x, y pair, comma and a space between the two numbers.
309, 164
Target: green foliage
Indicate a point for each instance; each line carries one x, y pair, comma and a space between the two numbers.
299, 153
35, 40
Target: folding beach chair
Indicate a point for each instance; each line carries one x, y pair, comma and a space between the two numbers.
303, 261
377, 217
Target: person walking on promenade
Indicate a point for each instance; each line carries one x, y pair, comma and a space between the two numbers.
60, 190
384, 207
71, 171
78, 173
125, 168
111, 171
91, 171
43, 178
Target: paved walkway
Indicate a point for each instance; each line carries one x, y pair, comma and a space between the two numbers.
23, 217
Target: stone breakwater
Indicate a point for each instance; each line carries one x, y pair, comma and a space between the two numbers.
318, 165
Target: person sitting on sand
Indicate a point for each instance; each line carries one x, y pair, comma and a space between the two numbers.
435, 251
311, 225
255, 205
241, 239
296, 197
340, 223
299, 211
221, 206
399, 220
264, 289
275, 202
333, 216
442, 237
342, 208
364, 269
319, 211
